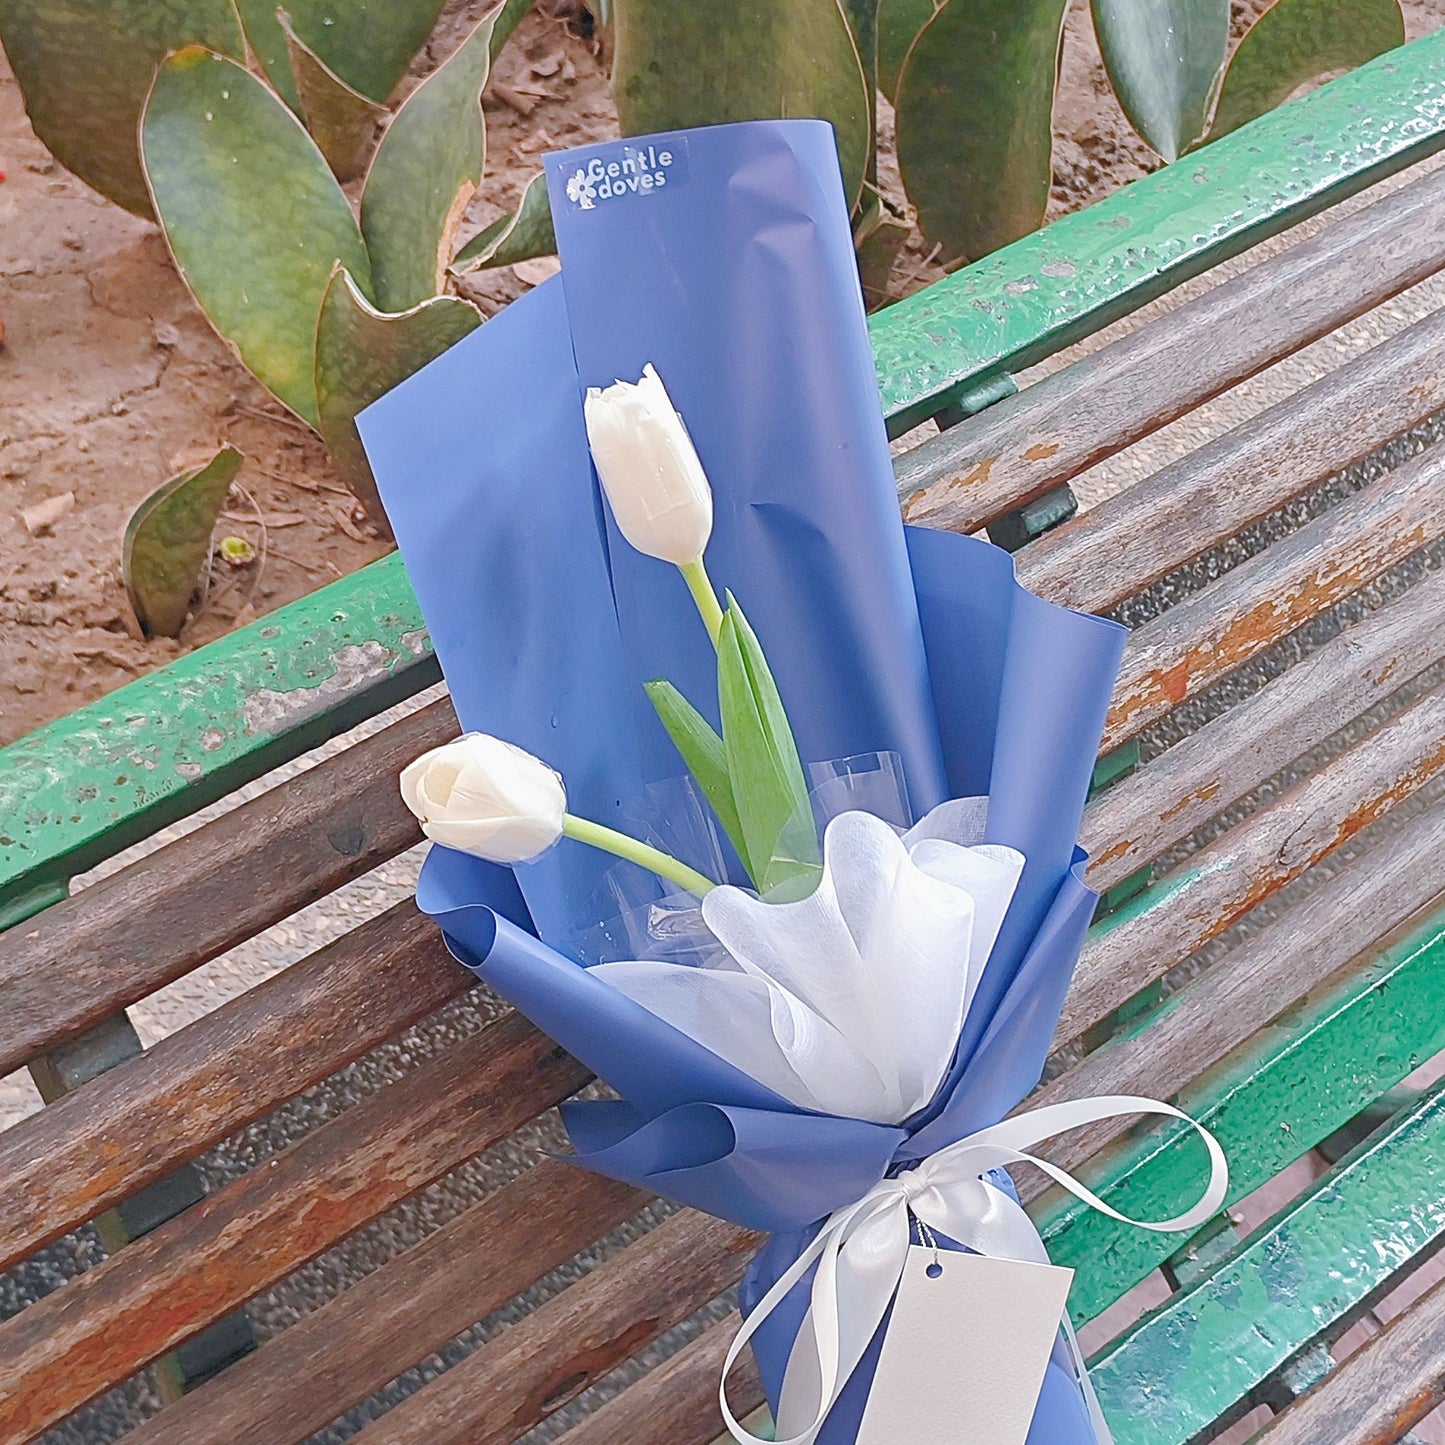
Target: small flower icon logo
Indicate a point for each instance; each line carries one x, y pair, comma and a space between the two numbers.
582, 190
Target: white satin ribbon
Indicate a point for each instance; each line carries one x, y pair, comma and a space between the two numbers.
862, 1249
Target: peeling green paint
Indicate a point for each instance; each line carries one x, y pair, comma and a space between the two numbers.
1292, 1085
163, 746
1342, 1243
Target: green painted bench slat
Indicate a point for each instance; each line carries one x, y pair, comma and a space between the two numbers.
1195, 1360
1167, 1047
91, 783
160, 747
1394, 1380
1087, 269
1293, 1085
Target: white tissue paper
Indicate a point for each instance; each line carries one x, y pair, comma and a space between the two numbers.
849, 1001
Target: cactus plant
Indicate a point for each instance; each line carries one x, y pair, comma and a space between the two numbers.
973, 84
152, 103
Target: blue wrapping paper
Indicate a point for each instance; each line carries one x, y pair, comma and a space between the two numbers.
734, 275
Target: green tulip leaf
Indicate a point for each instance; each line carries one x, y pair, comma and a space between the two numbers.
367, 43
1165, 59
251, 212
677, 65
84, 68
1297, 41
168, 540
975, 140
775, 815
703, 752
341, 120
425, 171
524, 234
362, 353
899, 22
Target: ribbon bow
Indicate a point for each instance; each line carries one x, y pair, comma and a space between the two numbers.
862, 1249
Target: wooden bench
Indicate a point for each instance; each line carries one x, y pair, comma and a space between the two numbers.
1271, 953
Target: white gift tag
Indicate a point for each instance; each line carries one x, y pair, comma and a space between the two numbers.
964, 1357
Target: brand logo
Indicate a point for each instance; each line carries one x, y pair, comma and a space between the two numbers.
628, 170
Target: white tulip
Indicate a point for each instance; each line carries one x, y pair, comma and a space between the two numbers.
486, 797
649, 469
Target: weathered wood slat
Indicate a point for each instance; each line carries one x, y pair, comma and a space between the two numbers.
136, 1122
1163, 802
1208, 635
1241, 993
677, 1402
1384, 1389
111, 1320
172, 911
1139, 535
1223, 881
334, 1357
499, 1392
1046, 435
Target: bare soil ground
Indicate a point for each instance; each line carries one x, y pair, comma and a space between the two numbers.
111, 379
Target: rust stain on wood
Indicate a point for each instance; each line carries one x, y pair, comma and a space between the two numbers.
1113, 852
586, 1367
977, 477
1219, 652
1173, 682
1202, 794
921, 504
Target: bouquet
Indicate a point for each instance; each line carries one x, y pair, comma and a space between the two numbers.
767, 805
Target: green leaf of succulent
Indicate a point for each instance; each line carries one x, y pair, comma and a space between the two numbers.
878, 235
975, 140
863, 20
706, 758
425, 171
505, 19
341, 120
1296, 41
862, 17
168, 540
368, 43
899, 22
251, 212
526, 233
775, 815
85, 67
710, 61
362, 353
1165, 59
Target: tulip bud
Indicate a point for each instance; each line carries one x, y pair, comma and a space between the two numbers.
486, 797
649, 469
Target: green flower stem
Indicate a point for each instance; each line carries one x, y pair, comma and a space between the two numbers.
634, 851
700, 585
